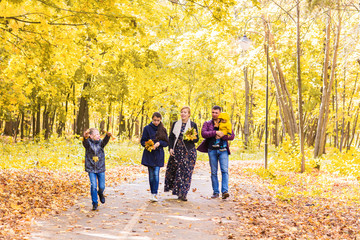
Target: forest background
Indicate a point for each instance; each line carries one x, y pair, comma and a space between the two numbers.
69, 65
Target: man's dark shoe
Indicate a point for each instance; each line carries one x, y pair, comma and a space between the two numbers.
215, 195
95, 205
225, 195
102, 198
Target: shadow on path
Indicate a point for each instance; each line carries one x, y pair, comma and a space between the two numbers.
127, 214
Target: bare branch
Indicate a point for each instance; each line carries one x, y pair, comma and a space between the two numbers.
82, 12
57, 19
287, 12
69, 24
20, 20
15, 45
9, 31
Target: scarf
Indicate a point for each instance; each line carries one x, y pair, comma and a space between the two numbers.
177, 129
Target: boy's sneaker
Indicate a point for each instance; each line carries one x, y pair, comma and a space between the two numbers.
215, 195
225, 195
153, 198
95, 205
102, 198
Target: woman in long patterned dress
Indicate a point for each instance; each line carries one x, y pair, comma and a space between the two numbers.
182, 156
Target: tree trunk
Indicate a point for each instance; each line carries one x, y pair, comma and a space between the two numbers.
46, 126
142, 120
288, 107
276, 134
332, 79
33, 124
121, 119
62, 119
320, 140
301, 120
336, 117
261, 134
16, 128
357, 139
320, 131
354, 127
102, 126
283, 98
347, 137
74, 111
137, 128
9, 128
130, 127
82, 120
22, 124
38, 120
286, 114
343, 117
109, 118
247, 106
52, 121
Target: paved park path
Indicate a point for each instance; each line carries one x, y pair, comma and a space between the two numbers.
127, 214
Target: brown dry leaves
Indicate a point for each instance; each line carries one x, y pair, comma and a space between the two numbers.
26, 194
262, 216
35, 193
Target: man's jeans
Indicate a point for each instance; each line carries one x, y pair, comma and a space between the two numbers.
94, 178
217, 157
154, 179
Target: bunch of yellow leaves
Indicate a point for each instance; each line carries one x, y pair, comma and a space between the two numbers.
149, 145
190, 134
110, 135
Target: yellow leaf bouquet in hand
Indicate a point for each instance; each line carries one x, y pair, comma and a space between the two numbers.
190, 134
149, 145
111, 136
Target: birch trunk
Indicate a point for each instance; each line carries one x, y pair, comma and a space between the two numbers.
320, 130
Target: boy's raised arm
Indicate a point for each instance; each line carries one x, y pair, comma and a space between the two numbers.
106, 139
85, 141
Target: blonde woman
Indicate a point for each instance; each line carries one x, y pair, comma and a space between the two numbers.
182, 156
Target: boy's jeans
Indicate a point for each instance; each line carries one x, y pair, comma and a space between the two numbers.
94, 178
221, 143
216, 157
154, 179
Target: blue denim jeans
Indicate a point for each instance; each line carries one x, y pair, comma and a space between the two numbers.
217, 157
221, 143
94, 179
154, 179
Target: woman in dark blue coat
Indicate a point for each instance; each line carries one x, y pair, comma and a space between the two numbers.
153, 158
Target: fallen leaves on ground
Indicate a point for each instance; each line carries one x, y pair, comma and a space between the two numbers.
261, 214
38, 193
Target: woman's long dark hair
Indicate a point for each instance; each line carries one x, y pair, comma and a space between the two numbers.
161, 133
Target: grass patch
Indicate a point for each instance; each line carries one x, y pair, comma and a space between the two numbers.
64, 154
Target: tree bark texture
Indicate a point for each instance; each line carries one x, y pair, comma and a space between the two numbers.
82, 120
320, 139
